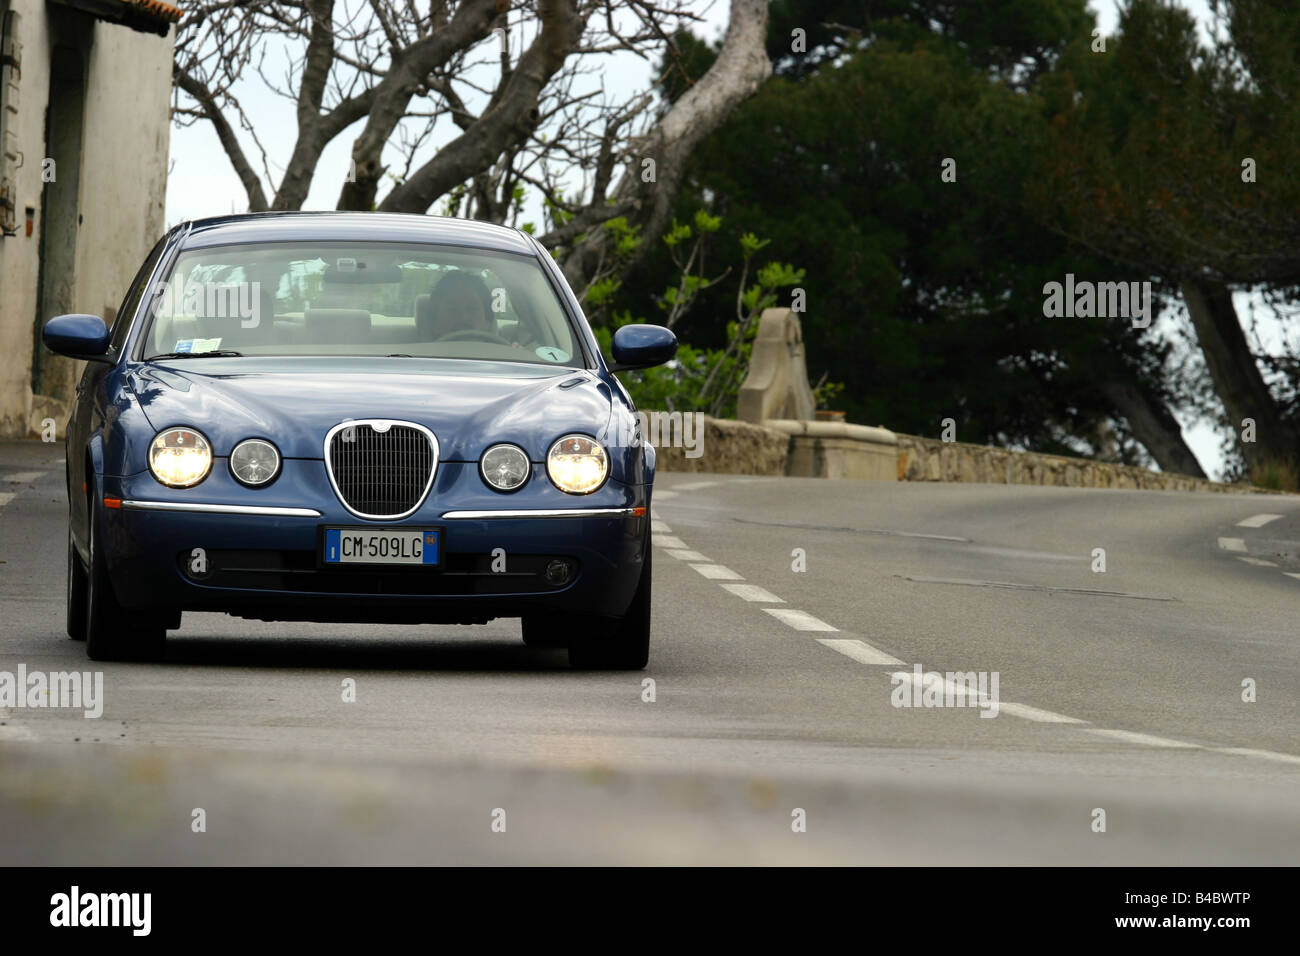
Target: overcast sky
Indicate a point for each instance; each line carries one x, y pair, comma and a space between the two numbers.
202, 183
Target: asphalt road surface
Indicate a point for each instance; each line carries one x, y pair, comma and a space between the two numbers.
782, 608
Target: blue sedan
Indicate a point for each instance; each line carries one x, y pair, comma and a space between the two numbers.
357, 417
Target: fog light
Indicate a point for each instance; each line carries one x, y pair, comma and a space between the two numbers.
558, 572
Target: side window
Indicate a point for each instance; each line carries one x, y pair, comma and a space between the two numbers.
135, 291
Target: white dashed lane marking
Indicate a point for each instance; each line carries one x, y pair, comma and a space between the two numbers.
22, 476
864, 653
1257, 521
752, 592
860, 651
717, 572
1259, 562
1262, 754
955, 691
688, 556
1025, 712
1146, 740
6, 497
799, 620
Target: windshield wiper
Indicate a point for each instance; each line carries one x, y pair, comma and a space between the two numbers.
215, 353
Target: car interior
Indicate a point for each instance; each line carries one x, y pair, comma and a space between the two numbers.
315, 301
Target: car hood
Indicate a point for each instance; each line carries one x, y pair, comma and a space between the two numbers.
293, 402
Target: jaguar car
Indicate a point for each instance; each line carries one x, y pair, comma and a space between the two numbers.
357, 417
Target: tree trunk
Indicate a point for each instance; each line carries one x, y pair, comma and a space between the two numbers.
1154, 426
741, 67
1237, 379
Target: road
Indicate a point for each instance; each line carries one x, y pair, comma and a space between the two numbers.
781, 609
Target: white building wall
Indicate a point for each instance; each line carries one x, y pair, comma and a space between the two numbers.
121, 196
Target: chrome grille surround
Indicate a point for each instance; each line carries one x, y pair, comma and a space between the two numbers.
386, 472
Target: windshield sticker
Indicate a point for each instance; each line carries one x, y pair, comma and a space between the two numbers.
551, 353
187, 346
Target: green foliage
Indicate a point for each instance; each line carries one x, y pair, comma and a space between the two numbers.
1276, 476
601, 291
924, 297
700, 379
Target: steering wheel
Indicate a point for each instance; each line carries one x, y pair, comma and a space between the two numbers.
473, 335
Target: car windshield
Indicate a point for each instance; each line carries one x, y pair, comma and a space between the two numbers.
372, 298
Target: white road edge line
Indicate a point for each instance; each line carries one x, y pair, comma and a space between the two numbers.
1232, 544
1256, 521
799, 620
752, 592
860, 651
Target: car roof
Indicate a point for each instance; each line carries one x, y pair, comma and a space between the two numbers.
355, 226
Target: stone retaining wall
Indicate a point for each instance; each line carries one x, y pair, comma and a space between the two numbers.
781, 447
928, 459
731, 448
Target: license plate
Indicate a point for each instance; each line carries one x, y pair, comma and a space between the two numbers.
405, 546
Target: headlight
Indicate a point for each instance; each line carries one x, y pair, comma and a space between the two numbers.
505, 467
577, 464
254, 462
180, 457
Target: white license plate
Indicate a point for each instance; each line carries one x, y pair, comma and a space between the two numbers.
418, 546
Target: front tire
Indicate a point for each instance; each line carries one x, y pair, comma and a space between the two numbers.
542, 631
624, 643
112, 632
77, 582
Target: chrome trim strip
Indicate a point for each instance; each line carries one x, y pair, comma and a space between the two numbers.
389, 422
220, 509
543, 513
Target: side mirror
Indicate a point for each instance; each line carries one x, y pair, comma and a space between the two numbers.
77, 336
641, 346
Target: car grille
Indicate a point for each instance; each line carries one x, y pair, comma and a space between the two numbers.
381, 469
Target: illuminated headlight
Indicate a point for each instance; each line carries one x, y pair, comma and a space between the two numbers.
577, 464
505, 467
254, 461
180, 457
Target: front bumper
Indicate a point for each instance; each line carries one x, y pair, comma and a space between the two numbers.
258, 549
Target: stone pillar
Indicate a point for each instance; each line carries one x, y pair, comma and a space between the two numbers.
777, 383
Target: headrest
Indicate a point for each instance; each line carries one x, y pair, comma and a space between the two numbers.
338, 325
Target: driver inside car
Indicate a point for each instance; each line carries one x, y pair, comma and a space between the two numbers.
462, 303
